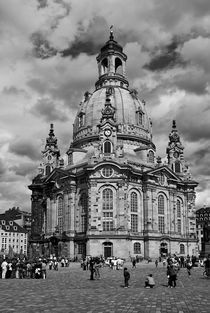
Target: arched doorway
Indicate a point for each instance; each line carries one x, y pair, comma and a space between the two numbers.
163, 249
107, 249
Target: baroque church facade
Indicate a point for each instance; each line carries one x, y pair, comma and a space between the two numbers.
114, 197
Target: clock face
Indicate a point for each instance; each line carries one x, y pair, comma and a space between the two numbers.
107, 132
176, 154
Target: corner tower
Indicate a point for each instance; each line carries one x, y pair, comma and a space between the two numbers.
175, 153
50, 154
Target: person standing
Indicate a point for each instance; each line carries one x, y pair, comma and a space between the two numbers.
189, 267
126, 277
9, 269
92, 268
44, 269
172, 275
134, 263
97, 267
207, 266
4, 269
156, 263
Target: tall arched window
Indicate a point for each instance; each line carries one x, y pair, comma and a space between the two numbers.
84, 211
118, 66
178, 205
177, 167
140, 118
182, 249
104, 65
179, 223
107, 197
160, 204
48, 169
161, 218
107, 147
134, 202
137, 248
134, 210
107, 207
151, 157
60, 214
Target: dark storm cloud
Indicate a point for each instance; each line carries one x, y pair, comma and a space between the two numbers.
193, 124
12, 90
201, 166
42, 4
165, 57
46, 109
25, 148
24, 169
41, 47
88, 41
192, 82
2, 167
38, 85
203, 184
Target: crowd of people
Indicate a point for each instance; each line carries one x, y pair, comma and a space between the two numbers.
34, 269
22, 268
37, 269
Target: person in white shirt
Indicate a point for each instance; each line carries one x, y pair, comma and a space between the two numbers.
4, 268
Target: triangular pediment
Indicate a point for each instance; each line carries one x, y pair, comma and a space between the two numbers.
164, 170
56, 174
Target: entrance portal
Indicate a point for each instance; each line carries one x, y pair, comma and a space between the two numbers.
107, 249
163, 249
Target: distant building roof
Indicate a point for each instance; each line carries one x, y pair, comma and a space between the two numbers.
203, 215
9, 225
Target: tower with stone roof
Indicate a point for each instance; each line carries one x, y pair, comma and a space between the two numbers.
50, 154
175, 153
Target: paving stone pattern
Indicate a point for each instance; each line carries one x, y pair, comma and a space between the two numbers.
70, 290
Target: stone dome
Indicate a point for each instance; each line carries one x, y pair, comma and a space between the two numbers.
130, 116
129, 111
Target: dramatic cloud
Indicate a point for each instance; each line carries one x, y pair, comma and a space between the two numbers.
24, 148
48, 61
48, 110
25, 169
165, 58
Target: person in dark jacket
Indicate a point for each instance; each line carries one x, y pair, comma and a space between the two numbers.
126, 277
172, 275
92, 268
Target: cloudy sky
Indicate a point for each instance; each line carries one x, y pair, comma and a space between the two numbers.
48, 54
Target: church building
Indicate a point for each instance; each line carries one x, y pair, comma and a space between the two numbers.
114, 197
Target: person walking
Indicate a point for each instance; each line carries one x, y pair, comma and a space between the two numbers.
126, 277
156, 263
189, 267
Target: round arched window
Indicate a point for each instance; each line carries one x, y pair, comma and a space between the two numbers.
107, 171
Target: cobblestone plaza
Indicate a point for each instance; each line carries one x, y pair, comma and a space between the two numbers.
70, 290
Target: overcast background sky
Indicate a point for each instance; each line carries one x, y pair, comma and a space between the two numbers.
48, 54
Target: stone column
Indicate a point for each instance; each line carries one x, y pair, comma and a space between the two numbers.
66, 212
54, 214
72, 204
